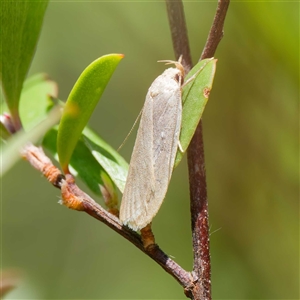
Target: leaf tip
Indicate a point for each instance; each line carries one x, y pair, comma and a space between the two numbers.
121, 55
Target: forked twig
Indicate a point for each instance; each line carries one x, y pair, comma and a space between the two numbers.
196, 163
196, 284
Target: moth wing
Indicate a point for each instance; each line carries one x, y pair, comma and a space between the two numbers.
140, 183
154, 152
167, 124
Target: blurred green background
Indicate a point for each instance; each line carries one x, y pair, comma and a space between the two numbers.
251, 146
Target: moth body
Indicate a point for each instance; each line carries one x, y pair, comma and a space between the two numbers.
154, 152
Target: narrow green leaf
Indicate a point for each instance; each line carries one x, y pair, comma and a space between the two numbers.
81, 103
109, 193
21, 23
95, 162
11, 151
82, 162
194, 97
113, 163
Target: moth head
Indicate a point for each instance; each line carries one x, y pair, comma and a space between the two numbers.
178, 64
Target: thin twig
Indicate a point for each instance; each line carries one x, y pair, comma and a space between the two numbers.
196, 164
197, 174
179, 33
74, 198
216, 32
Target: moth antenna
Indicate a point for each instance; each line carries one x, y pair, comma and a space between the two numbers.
127, 136
215, 231
178, 64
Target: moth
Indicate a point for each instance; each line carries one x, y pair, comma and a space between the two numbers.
155, 148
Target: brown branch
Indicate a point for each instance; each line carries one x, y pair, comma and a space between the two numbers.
196, 284
196, 163
216, 32
197, 174
74, 198
179, 33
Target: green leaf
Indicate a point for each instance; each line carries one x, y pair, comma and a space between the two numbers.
94, 161
11, 151
194, 97
113, 163
109, 193
21, 23
35, 103
36, 100
81, 103
82, 162
4, 132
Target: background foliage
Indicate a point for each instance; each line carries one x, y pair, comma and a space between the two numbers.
251, 147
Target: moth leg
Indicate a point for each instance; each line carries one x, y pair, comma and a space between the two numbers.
180, 147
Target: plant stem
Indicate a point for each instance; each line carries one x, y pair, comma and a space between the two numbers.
196, 164
179, 33
216, 31
74, 198
196, 284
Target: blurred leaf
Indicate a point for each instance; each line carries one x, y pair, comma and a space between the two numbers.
10, 279
95, 162
194, 98
4, 133
34, 80
109, 193
21, 22
113, 163
11, 151
35, 100
81, 103
82, 161
7, 128
35, 103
